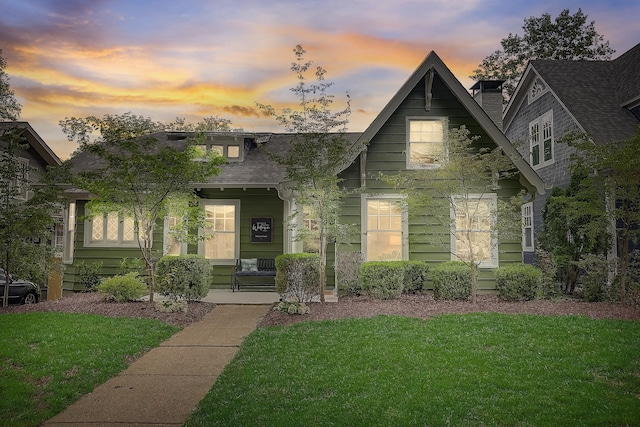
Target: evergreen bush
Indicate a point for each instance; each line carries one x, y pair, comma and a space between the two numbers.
89, 275
129, 287
518, 282
451, 281
183, 277
382, 279
298, 276
415, 273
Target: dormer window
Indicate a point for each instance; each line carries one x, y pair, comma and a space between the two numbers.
232, 148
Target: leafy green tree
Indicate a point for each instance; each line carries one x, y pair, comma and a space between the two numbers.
575, 226
9, 106
319, 145
435, 196
137, 176
26, 211
566, 37
617, 168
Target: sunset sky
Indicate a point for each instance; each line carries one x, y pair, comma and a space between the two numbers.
196, 58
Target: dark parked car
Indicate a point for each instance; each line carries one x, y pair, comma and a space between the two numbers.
20, 291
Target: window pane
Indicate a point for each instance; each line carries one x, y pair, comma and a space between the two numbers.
97, 228
128, 231
218, 148
547, 150
528, 238
233, 151
112, 226
220, 246
384, 246
426, 142
535, 155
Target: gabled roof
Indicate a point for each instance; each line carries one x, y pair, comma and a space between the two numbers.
433, 62
595, 93
38, 144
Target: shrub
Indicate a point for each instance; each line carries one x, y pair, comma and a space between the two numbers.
518, 282
382, 279
594, 279
129, 287
130, 265
415, 273
292, 306
298, 276
451, 281
88, 275
348, 266
183, 277
171, 306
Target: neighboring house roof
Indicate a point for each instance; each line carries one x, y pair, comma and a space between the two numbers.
433, 62
596, 93
34, 140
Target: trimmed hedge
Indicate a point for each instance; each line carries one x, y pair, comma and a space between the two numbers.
415, 274
129, 287
451, 281
298, 276
183, 277
382, 279
518, 282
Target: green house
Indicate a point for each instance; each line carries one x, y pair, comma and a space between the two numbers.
251, 207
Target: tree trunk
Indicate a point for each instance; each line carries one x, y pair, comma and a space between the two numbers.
323, 263
474, 282
5, 296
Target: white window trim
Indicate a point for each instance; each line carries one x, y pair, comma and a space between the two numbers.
527, 207
69, 233
88, 230
445, 126
236, 249
493, 199
165, 239
539, 121
364, 223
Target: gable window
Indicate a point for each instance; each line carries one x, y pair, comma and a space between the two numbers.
474, 218
426, 143
541, 140
221, 242
527, 227
384, 229
172, 244
111, 229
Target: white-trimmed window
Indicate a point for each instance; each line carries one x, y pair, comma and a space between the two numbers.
474, 218
172, 245
426, 142
541, 140
110, 229
527, 227
69, 233
384, 223
222, 233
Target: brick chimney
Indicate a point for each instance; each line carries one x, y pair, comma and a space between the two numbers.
488, 94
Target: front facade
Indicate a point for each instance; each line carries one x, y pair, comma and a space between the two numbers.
554, 98
249, 204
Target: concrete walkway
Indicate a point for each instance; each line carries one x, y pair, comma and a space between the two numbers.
166, 384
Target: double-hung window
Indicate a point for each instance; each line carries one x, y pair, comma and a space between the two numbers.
426, 142
311, 237
21, 181
527, 227
384, 228
221, 242
541, 140
474, 218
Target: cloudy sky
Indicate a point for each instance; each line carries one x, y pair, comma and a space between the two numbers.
196, 58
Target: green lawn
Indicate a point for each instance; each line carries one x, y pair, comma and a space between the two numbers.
457, 370
49, 360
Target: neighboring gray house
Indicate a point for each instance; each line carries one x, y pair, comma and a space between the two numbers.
600, 98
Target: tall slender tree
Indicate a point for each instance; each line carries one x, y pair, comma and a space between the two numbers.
319, 145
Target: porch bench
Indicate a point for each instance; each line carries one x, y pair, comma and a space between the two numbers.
253, 267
